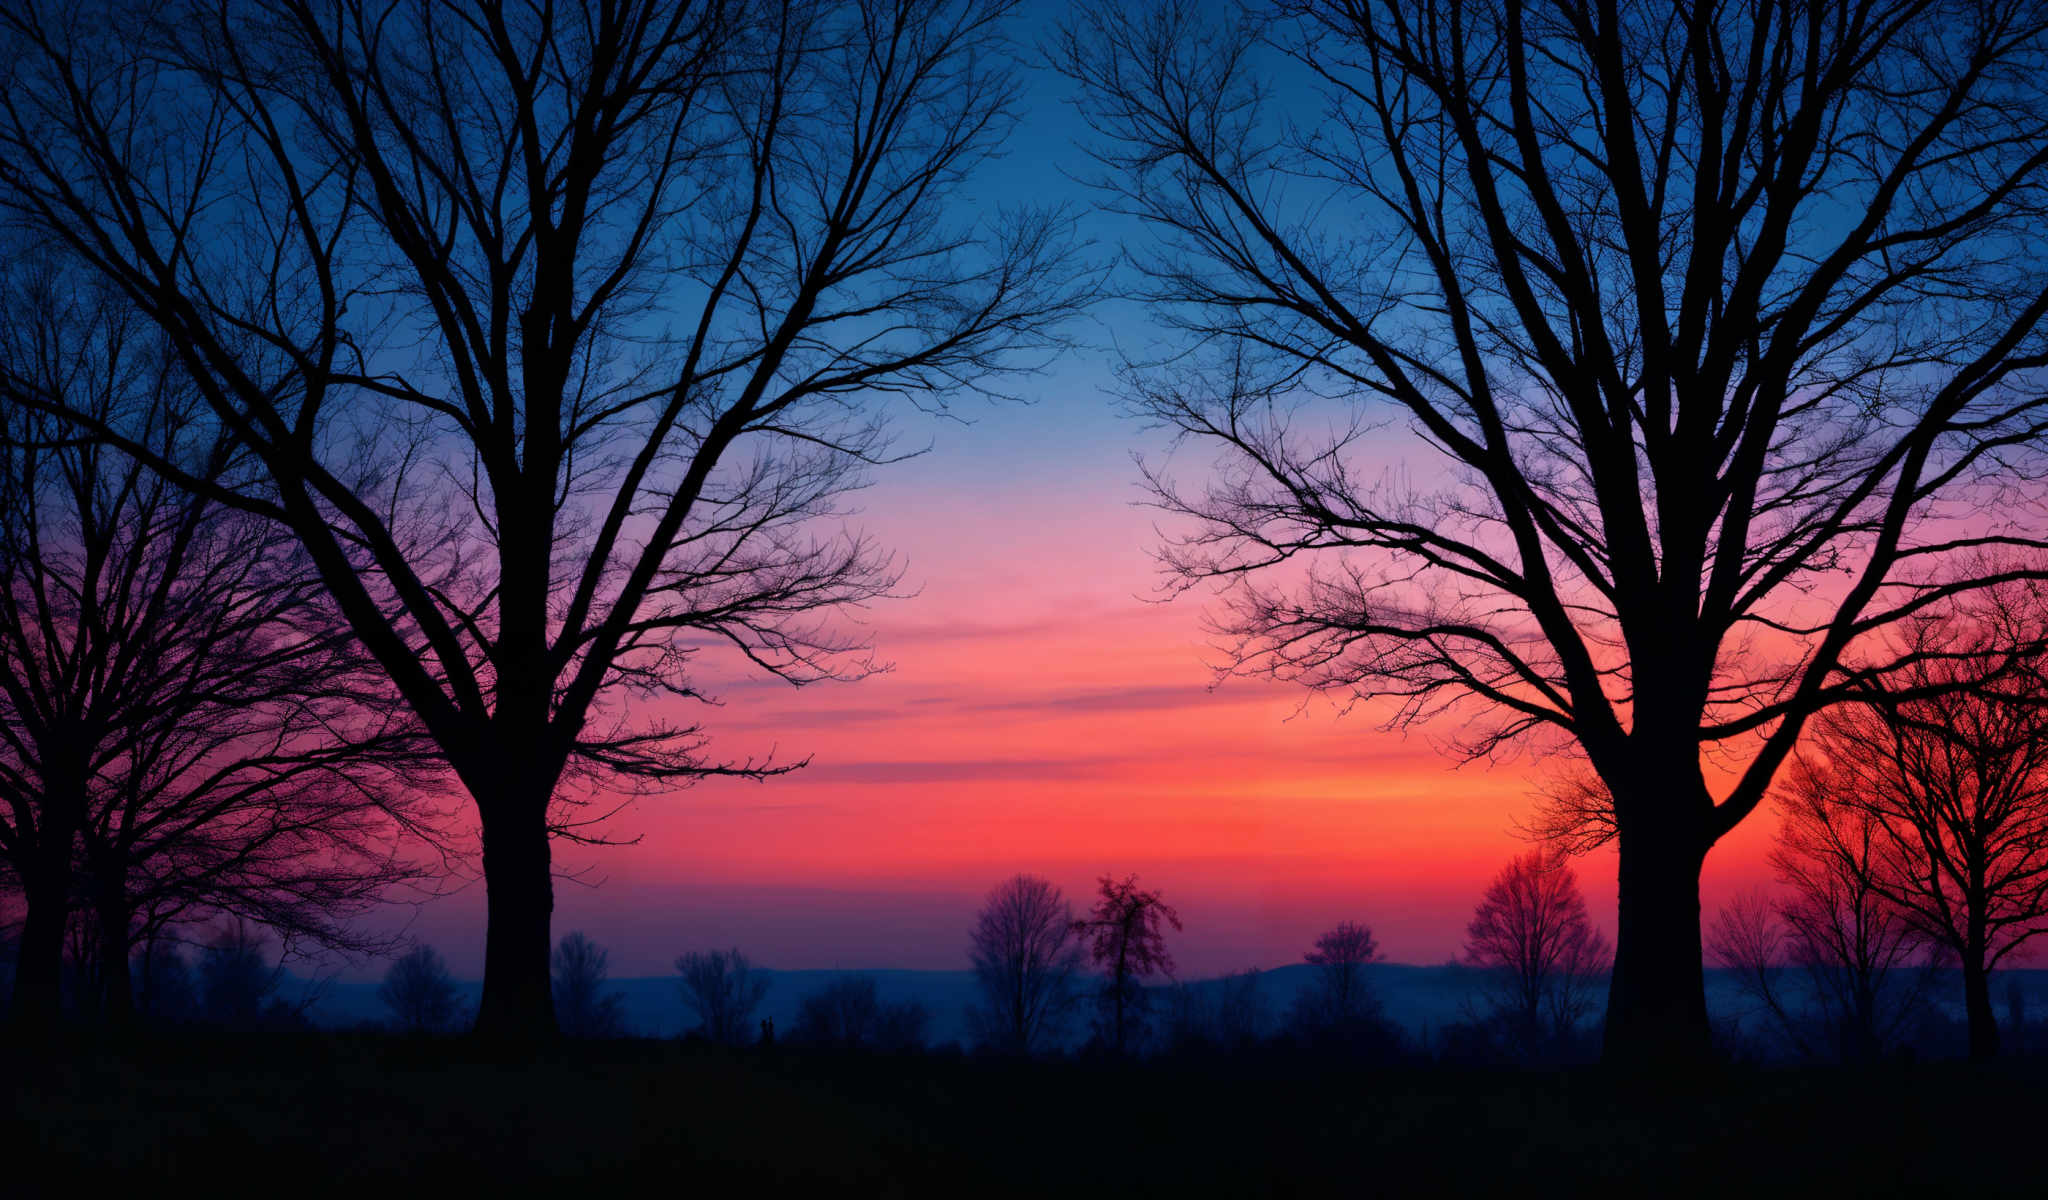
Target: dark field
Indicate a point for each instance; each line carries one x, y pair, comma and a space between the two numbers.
279, 1114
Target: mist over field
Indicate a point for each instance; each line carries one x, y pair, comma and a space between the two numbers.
1419, 1001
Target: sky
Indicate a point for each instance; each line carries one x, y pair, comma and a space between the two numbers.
1046, 712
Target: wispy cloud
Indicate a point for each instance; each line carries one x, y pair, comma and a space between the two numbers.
1149, 698
963, 770
1085, 619
1081, 701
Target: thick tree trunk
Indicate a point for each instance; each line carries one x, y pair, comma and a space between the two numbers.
1656, 1005
1977, 1007
46, 880
38, 1001
518, 1002
117, 1006
147, 1002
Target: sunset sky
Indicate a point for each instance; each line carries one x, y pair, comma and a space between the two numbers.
1047, 714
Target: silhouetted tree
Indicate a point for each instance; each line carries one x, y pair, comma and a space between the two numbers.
1531, 930
723, 989
181, 725
1190, 1023
1025, 958
1574, 813
1241, 1009
7, 958
848, 1014
582, 1006
1338, 1001
83, 976
903, 1028
1868, 962
1706, 385
1846, 1008
558, 364
1126, 936
10, 926
842, 1014
165, 993
236, 979
1747, 940
420, 993
1936, 801
1227, 1014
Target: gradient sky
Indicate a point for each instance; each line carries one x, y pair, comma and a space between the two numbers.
1044, 714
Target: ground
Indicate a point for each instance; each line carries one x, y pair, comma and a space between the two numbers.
289, 1113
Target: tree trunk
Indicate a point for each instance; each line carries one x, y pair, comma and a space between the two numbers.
147, 999
1977, 1006
1122, 992
1656, 1004
117, 1006
518, 1002
38, 1001
1119, 998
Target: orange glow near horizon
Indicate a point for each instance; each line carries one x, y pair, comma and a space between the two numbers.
1044, 715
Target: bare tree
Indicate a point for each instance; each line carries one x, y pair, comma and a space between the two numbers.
1713, 316
1532, 931
583, 1007
724, 990
164, 990
420, 993
1574, 813
1226, 1014
183, 727
10, 927
1935, 801
238, 983
84, 978
848, 1014
1747, 939
1240, 1009
1846, 1008
1339, 1001
904, 1028
842, 1014
1025, 959
560, 332
1868, 961
1126, 936
1190, 1020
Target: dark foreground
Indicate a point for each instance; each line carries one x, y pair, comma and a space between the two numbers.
282, 1114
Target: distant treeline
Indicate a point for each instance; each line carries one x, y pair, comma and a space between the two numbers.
1047, 981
